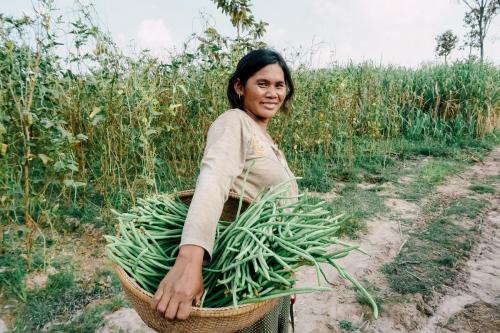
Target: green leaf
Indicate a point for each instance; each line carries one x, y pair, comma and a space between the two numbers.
47, 123
174, 106
183, 88
72, 183
59, 165
65, 133
68, 182
82, 137
28, 118
95, 111
3, 149
97, 119
72, 167
45, 159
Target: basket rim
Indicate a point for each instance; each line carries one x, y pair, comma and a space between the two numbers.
190, 192
133, 287
145, 296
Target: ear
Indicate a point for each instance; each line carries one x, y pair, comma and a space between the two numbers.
238, 87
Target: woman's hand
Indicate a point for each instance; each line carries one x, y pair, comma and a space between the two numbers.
182, 284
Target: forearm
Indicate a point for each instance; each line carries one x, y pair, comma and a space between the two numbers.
205, 210
192, 254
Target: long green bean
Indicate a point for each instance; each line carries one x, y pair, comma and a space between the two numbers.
254, 257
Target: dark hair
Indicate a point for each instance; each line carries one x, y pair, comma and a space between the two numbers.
251, 63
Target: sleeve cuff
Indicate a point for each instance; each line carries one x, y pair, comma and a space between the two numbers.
207, 257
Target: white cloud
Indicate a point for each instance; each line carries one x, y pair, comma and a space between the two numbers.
154, 35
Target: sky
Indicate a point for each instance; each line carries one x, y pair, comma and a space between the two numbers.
399, 32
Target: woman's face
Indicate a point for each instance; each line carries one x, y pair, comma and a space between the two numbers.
263, 93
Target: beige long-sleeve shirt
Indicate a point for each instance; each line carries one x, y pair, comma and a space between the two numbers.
235, 144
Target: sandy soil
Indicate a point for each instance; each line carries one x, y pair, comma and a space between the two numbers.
124, 320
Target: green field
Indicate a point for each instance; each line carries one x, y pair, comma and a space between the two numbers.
93, 130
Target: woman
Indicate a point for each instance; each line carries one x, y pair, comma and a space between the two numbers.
238, 139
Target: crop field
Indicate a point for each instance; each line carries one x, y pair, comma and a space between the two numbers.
411, 154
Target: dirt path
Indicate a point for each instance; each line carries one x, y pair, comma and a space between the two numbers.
462, 306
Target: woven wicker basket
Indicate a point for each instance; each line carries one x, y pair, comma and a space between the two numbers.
201, 320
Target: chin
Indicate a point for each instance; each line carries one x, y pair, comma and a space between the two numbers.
268, 113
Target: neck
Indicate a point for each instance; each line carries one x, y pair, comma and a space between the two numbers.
262, 122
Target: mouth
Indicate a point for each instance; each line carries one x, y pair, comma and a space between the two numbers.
269, 105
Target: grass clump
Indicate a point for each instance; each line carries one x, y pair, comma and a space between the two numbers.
493, 178
482, 188
347, 326
358, 205
12, 273
428, 176
469, 207
91, 319
317, 174
60, 299
14, 264
429, 257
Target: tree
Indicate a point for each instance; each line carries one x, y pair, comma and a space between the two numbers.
241, 16
216, 49
478, 19
446, 42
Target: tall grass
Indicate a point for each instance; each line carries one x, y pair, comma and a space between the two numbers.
121, 127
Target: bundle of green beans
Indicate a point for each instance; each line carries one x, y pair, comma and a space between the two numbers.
254, 256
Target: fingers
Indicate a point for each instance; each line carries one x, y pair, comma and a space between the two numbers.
183, 310
172, 305
156, 298
175, 309
182, 285
171, 311
197, 299
164, 303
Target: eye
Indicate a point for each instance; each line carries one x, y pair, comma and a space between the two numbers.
262, 84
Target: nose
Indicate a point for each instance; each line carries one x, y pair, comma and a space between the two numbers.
272, 92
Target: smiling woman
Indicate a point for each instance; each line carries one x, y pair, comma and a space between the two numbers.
262, 78
238, 147
263, 93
